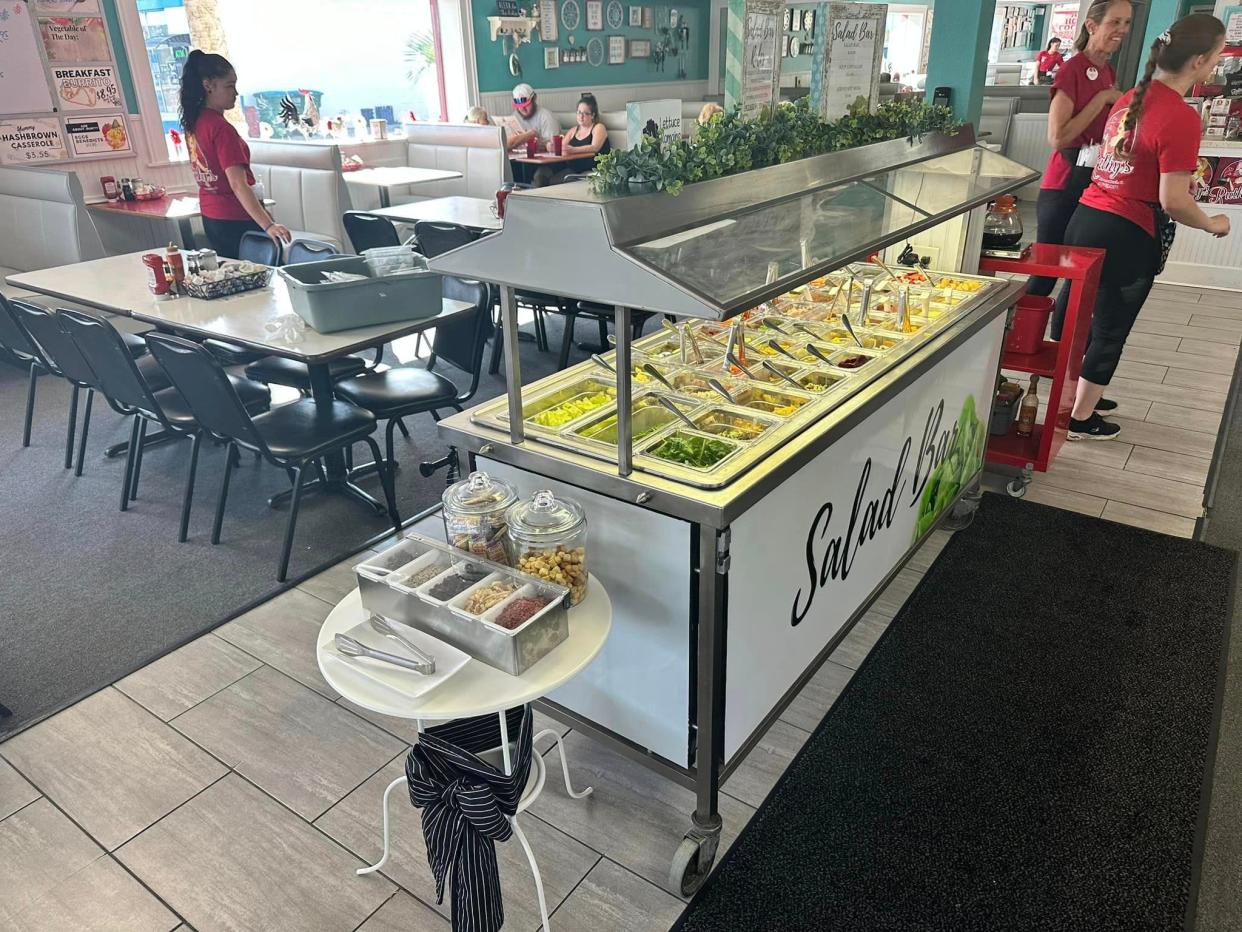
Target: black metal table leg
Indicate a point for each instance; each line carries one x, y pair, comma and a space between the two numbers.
150, 440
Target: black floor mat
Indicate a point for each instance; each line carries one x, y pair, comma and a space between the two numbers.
1024, 749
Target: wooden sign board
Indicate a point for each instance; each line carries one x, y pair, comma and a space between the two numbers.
752, 55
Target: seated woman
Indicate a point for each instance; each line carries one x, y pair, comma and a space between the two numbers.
589, 139
478, 115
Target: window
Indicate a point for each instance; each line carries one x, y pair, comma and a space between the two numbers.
330, 58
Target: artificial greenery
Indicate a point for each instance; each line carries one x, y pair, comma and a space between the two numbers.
728, 144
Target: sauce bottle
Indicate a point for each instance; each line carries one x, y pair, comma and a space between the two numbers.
157, 280
177, 263
1028, 411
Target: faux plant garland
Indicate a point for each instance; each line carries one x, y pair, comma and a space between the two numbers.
728, 144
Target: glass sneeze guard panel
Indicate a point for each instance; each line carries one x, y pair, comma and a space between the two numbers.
727, 259
946, 183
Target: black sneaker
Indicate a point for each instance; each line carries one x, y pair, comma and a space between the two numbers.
1106, 408
1093, 428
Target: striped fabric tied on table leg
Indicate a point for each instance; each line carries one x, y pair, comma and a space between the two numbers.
466, 804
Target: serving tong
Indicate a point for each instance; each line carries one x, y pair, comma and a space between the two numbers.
422, 663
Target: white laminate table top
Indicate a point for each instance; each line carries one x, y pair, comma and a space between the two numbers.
476, 689
473, 212
119, 284
393, 175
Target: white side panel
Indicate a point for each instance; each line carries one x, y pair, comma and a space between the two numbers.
806, 557
1203, 260
639, 686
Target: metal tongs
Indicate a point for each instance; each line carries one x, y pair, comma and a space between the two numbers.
424, 663
685, 334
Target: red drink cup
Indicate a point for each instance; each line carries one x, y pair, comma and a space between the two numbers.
532, 146
501, 196
557, 144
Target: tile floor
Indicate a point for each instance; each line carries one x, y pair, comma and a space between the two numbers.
227, 787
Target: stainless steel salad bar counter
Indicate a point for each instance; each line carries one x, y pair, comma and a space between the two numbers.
812, 413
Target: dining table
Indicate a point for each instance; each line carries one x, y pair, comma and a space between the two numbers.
474, 213
386, 177
178, 208
259, 319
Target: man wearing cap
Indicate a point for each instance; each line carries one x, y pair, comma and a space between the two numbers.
536, 123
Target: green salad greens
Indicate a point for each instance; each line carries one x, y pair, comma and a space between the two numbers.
692, 451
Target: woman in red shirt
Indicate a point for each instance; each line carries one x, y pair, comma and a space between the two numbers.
1083, 91
1048, 61
219, 157
1141, 180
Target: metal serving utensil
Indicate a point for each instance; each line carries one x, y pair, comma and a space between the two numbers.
668, 405
732, 359
814, 351
603, 363
720, 390
845, 319
351, 648
657, 375
807, 330
777, 348
781, 375
773, 325
381, 625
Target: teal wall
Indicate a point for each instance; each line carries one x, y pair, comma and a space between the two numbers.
959, 53
493, 64
1162, 15
123, 73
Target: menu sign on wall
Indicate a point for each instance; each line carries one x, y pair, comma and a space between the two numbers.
23, 88
87, 88
70, 40
30, 140
752, 63
847, 59
102, 136
66, 6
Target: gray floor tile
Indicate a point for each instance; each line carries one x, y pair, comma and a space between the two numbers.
187, 676
294, 744
111, 765
1135, 516
543, 722
1067, 499
233, 858
611, 899
356, 823
403, 913
765, 764
862, 637
895, 594
15, 790
405, 729
102, 897
335, 583
39, 849
636, 816
282, 633
811, 705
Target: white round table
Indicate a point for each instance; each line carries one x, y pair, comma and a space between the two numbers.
476, 689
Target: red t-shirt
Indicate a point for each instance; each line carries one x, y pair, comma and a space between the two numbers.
1045, 61
1166, 140
1082, 80
214, 146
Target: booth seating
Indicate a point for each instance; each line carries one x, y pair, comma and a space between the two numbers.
478, 152
617, 122
996, 120
308, 187
45, 223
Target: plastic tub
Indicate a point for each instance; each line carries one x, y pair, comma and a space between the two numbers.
332, 306
1030, 320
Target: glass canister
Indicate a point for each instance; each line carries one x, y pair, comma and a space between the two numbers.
474, 515
547, 538
1002, 227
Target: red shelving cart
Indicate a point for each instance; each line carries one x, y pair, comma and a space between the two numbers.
1057, 364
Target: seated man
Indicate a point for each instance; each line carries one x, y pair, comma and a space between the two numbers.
533, 122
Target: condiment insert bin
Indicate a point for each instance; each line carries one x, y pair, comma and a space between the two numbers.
333, 306
385, 584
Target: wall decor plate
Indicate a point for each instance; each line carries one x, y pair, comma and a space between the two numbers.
571, 15
595, 52
616, 14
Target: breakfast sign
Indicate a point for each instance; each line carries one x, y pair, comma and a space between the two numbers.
87, 87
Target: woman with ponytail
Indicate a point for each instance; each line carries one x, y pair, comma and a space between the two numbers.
1082, 93
1141, 184
219, 157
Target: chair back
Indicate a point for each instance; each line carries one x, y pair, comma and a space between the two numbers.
308, 250
367, 231
13, 336
206, 388
105, 352
258, 247
60, 353
435, 239
462, 339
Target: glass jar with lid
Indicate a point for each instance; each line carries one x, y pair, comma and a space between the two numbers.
474, 515
1002, 227
547, 538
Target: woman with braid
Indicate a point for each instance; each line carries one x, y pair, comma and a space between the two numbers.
1140, 186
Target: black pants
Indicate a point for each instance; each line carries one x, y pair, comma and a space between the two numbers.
225, 235
1129, 270
1053, 210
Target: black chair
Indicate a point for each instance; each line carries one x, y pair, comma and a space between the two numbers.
291, 437
15, 341
601, 314
435, 239
367, 231
309, 250
258, 247
405, 390
129, 393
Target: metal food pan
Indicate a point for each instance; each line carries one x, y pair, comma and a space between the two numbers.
566, 395
721, 421
644, 421
683, 433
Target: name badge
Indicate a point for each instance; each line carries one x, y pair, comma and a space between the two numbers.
1092, 73
1088, 155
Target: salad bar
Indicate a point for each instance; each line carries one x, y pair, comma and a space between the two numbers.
755, 472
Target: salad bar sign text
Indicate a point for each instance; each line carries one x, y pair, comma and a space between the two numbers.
948, 457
